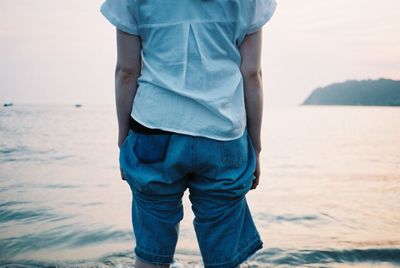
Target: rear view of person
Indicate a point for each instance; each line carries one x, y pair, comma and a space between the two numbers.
189, 103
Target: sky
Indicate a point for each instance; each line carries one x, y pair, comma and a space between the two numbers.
63, 52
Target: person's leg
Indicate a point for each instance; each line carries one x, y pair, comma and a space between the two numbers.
156, 177
225, 230
155, 221
224, 227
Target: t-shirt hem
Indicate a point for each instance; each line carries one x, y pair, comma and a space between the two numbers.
185, 132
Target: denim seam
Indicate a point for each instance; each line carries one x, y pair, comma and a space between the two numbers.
153, 259
247, 253
193, 151
249, 248
242, 245
150, 251
221, 150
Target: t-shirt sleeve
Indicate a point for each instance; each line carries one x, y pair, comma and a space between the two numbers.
261, 13
121, 14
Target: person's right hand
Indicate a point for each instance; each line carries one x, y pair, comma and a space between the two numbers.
256, 172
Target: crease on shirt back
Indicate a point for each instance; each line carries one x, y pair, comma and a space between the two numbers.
193, 76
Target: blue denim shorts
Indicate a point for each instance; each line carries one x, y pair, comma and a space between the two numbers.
160, 167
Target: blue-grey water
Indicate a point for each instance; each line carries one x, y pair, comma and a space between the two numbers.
329, 194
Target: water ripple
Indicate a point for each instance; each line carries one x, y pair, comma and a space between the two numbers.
303, 257
24, 153
60, 186
292, 218
25, 215
13, 203
272, 257
61, 237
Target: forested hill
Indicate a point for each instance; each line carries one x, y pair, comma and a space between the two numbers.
381, 92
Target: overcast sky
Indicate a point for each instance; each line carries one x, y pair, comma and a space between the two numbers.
54, 51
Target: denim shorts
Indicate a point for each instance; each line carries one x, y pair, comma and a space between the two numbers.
160, 167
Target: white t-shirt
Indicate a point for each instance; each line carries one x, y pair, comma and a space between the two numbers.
191, 81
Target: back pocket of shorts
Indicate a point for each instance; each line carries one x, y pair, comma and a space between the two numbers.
234, 152
151, 148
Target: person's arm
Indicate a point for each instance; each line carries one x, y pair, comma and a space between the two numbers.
127, 71
250, 51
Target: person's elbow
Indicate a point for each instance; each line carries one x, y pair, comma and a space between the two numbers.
252, 75
126, 71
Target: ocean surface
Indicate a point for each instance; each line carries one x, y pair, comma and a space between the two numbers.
329, 194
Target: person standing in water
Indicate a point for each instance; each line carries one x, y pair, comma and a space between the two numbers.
189, 102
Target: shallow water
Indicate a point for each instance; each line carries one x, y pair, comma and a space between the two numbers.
329, 193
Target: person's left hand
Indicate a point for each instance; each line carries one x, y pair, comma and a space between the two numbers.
256, 172
121, 139
122, 174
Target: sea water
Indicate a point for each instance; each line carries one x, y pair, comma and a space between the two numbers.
329, 194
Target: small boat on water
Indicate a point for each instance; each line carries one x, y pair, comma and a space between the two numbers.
78, 105
8, 104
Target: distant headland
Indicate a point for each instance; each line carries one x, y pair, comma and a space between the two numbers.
381, 92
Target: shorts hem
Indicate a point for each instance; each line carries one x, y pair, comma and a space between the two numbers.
153, 259
240, 258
